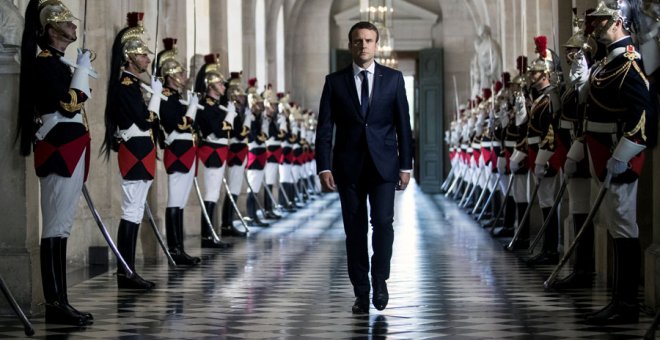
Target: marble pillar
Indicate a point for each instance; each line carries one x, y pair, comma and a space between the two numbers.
19, 246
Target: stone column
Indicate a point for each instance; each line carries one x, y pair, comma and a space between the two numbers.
19, 249
250, 43
652, 253
218, 32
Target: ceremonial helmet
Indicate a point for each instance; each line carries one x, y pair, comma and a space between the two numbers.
614, 10
54, 12
234, 87
269, 97
209, 73
133, 36
521, 66
166, 59
253, 96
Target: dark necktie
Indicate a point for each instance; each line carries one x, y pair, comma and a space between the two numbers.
364, 99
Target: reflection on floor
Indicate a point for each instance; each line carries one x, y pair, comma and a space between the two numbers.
450, 279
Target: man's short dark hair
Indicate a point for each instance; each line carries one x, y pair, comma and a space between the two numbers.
362, 25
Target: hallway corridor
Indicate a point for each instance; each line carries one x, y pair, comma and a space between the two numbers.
450, 280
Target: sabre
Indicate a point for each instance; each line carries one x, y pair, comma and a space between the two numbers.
263, 211
525, 215
453, 185
467, 189
272, 198
555, 204
209, 224
474, 188
104, 231
233, 203
155, 66
603, 190
27, 326
483, 192
449, 178
490, 197
154, 227
506, 194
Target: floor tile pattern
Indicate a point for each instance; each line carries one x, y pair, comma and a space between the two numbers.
450, 280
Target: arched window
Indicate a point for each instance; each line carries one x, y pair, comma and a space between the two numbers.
260, 37
235, 35
280, 51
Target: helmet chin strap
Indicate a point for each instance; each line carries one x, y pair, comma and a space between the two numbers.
131, 59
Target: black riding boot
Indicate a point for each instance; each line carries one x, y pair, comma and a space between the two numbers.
65, 296
508, 223
126, 243
623, 309
174, 227
583, 272
58, 310
228, 228
207, 236
268, 206
252, 211
548, 254
523, 236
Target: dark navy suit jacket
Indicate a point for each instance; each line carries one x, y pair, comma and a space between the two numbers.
384, 133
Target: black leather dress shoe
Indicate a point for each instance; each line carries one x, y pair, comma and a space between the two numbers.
381, 296
361, 305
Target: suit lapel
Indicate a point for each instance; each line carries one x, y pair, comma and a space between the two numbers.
352, 90
376, 87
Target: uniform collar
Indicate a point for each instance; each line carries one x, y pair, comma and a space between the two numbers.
55, 51
357, 69
623, 42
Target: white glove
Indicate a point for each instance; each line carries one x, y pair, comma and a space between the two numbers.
539, 171
501, 165
154, 102
192, 106
249, 118
616, 167
231, 113
80, 79
505, 120
281, 122
570, 167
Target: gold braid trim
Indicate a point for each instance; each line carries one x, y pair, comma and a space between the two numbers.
549, 139
185, 125
245, 132
72, 106
281, 134
226, 126
152, 117
262, 137
640, 127
641, 74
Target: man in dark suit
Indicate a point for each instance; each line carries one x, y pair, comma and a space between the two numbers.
366, 106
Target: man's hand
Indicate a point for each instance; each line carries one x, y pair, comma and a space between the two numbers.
327, 181
404, 178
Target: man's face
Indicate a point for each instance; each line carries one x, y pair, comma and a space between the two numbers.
363, 46
142, 62
219, 87
535, 78
603, 32
177, 80
69, 30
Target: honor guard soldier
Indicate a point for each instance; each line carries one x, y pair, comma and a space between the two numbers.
51, 103
619, 108
238, 150
130, 128
503, 117
287, 196
516, 144
276, 133
541, 142
294, 139
180, 157
257, 154
213, 125
569, 133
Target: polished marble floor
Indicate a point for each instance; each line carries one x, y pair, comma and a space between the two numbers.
450, 280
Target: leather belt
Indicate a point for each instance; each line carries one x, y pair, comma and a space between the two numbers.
600, 127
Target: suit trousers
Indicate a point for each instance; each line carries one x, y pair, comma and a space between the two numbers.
353, 197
